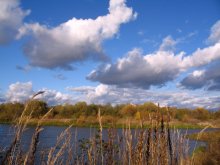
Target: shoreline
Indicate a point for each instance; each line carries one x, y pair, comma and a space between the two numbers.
68, 122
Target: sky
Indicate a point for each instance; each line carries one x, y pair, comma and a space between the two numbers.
114, 51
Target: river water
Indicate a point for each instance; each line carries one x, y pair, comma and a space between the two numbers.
48, 136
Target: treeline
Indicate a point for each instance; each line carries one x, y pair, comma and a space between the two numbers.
81, 112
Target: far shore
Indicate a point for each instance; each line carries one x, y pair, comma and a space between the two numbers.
120, 124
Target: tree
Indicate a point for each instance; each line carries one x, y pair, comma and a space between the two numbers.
201, 114
37, 108
10, 111
128, 110
149, 106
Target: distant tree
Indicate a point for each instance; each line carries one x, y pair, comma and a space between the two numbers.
149, 106
92, 110
64, 111
81, 106
138, 115
201, 114
10, 111
217, 114
37, 108
128, 110
108, 109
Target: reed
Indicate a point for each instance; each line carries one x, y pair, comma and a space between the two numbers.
198, 136
13, 154
29, 160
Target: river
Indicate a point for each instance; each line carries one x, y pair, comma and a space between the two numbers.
49, 136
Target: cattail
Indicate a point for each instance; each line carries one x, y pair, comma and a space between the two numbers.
35, 139
148, 143
169, 137
100, 135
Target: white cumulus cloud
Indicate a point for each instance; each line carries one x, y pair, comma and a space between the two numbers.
208, 78
53, 97
21, 92
102, 94
136, 69
11, 19
114, 95
202, 57
215, 33
74, 40
168, 44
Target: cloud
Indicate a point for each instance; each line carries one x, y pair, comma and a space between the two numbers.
2, 99
11, 19
208, 78
106, 94
21, 92
60, 77
140, 32
81, 89
168, 44
179, 30
137, 70
194, 80
99, 94
202, 57
103, 94
53, 97
75, 40
23, 68
215, 33
154, 69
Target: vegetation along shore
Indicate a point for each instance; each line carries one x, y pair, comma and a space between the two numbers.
82, 114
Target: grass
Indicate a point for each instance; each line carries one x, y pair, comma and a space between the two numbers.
67, 122
206, 136
209, 155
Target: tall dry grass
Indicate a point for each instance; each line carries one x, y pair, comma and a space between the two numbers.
14, 153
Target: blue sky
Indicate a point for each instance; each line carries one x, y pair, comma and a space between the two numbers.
113, 51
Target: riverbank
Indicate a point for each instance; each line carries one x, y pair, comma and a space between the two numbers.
118, 124
206, 136
209, 154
